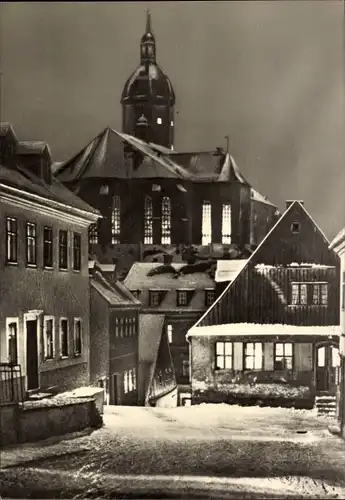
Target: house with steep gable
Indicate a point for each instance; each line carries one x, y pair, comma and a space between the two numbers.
273, 333
114, 337
157, 381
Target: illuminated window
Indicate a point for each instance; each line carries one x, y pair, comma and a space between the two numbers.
148, 221
206, 229
169, 332
116, 220
283, 356
159, 121
166, 221
299, 294
171, 123
320, 294
226, 223
253, 356
93, 233
224, 353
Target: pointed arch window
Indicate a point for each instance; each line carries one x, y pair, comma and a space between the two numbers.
226, 223
116, 220
206, 226
148, 221
166, 221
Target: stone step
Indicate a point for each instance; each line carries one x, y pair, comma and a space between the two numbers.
325, 398
325, 404
39, 395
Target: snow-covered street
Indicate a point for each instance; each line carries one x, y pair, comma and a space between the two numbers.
250, 452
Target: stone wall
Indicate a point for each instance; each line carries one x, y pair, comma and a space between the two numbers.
40, 420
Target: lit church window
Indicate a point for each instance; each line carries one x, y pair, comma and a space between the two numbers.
116, 220
166, 221
148, 221
206, 229
93, 233
226, 224
159, 121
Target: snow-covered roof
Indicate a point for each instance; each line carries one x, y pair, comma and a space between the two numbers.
238, 329
228, 269
339, 239
256, 196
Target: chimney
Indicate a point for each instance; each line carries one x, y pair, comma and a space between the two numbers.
167, 258
290, 202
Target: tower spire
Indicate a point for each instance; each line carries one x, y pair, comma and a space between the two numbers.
148, 21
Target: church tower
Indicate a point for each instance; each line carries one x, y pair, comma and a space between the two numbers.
148, 97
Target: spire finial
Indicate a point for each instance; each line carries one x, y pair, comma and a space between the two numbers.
148, 21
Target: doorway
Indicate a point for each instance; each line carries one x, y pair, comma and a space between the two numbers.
327, 367
31, 355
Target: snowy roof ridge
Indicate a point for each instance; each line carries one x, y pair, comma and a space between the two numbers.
239, 329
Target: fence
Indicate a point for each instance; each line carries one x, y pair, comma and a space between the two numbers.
11, 383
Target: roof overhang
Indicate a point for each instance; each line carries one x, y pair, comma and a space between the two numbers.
255, 329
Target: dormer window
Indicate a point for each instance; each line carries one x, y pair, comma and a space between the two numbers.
154, 298
104, 189
184, 297
136, 293
159, 121
209, 297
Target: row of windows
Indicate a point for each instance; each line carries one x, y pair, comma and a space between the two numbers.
165, 222
49, 332
32, 240
183, 297
253, 356
129, 380
283, 357
206, 225
309, 294
125, 327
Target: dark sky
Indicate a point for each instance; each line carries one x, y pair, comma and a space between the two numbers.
269, 74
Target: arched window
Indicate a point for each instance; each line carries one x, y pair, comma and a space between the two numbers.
206, 226
116, 220
148, 221
226, 223
166, 221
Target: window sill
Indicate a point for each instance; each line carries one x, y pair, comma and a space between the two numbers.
77, 355
77, 271
11, 263
31, 266
48, 360
63, 269
308, 305
48, 268
64, 357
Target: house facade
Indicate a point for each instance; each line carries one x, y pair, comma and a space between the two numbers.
273, 332
114, 338
338, 244
44, 289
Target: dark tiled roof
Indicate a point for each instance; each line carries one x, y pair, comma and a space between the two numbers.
23, 179
104, 157
140, 277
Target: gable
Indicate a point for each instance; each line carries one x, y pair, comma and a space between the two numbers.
260, 291
282, 246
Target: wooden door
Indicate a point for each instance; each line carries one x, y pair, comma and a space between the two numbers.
327, 366
31, 355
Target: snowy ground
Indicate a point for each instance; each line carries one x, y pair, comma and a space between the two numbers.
247, 452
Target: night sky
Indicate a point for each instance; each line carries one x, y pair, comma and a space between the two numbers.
268, 74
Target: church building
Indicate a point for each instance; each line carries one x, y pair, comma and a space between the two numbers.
155, 200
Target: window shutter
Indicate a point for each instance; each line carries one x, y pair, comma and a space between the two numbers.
238, 356
269, 356
303, 359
